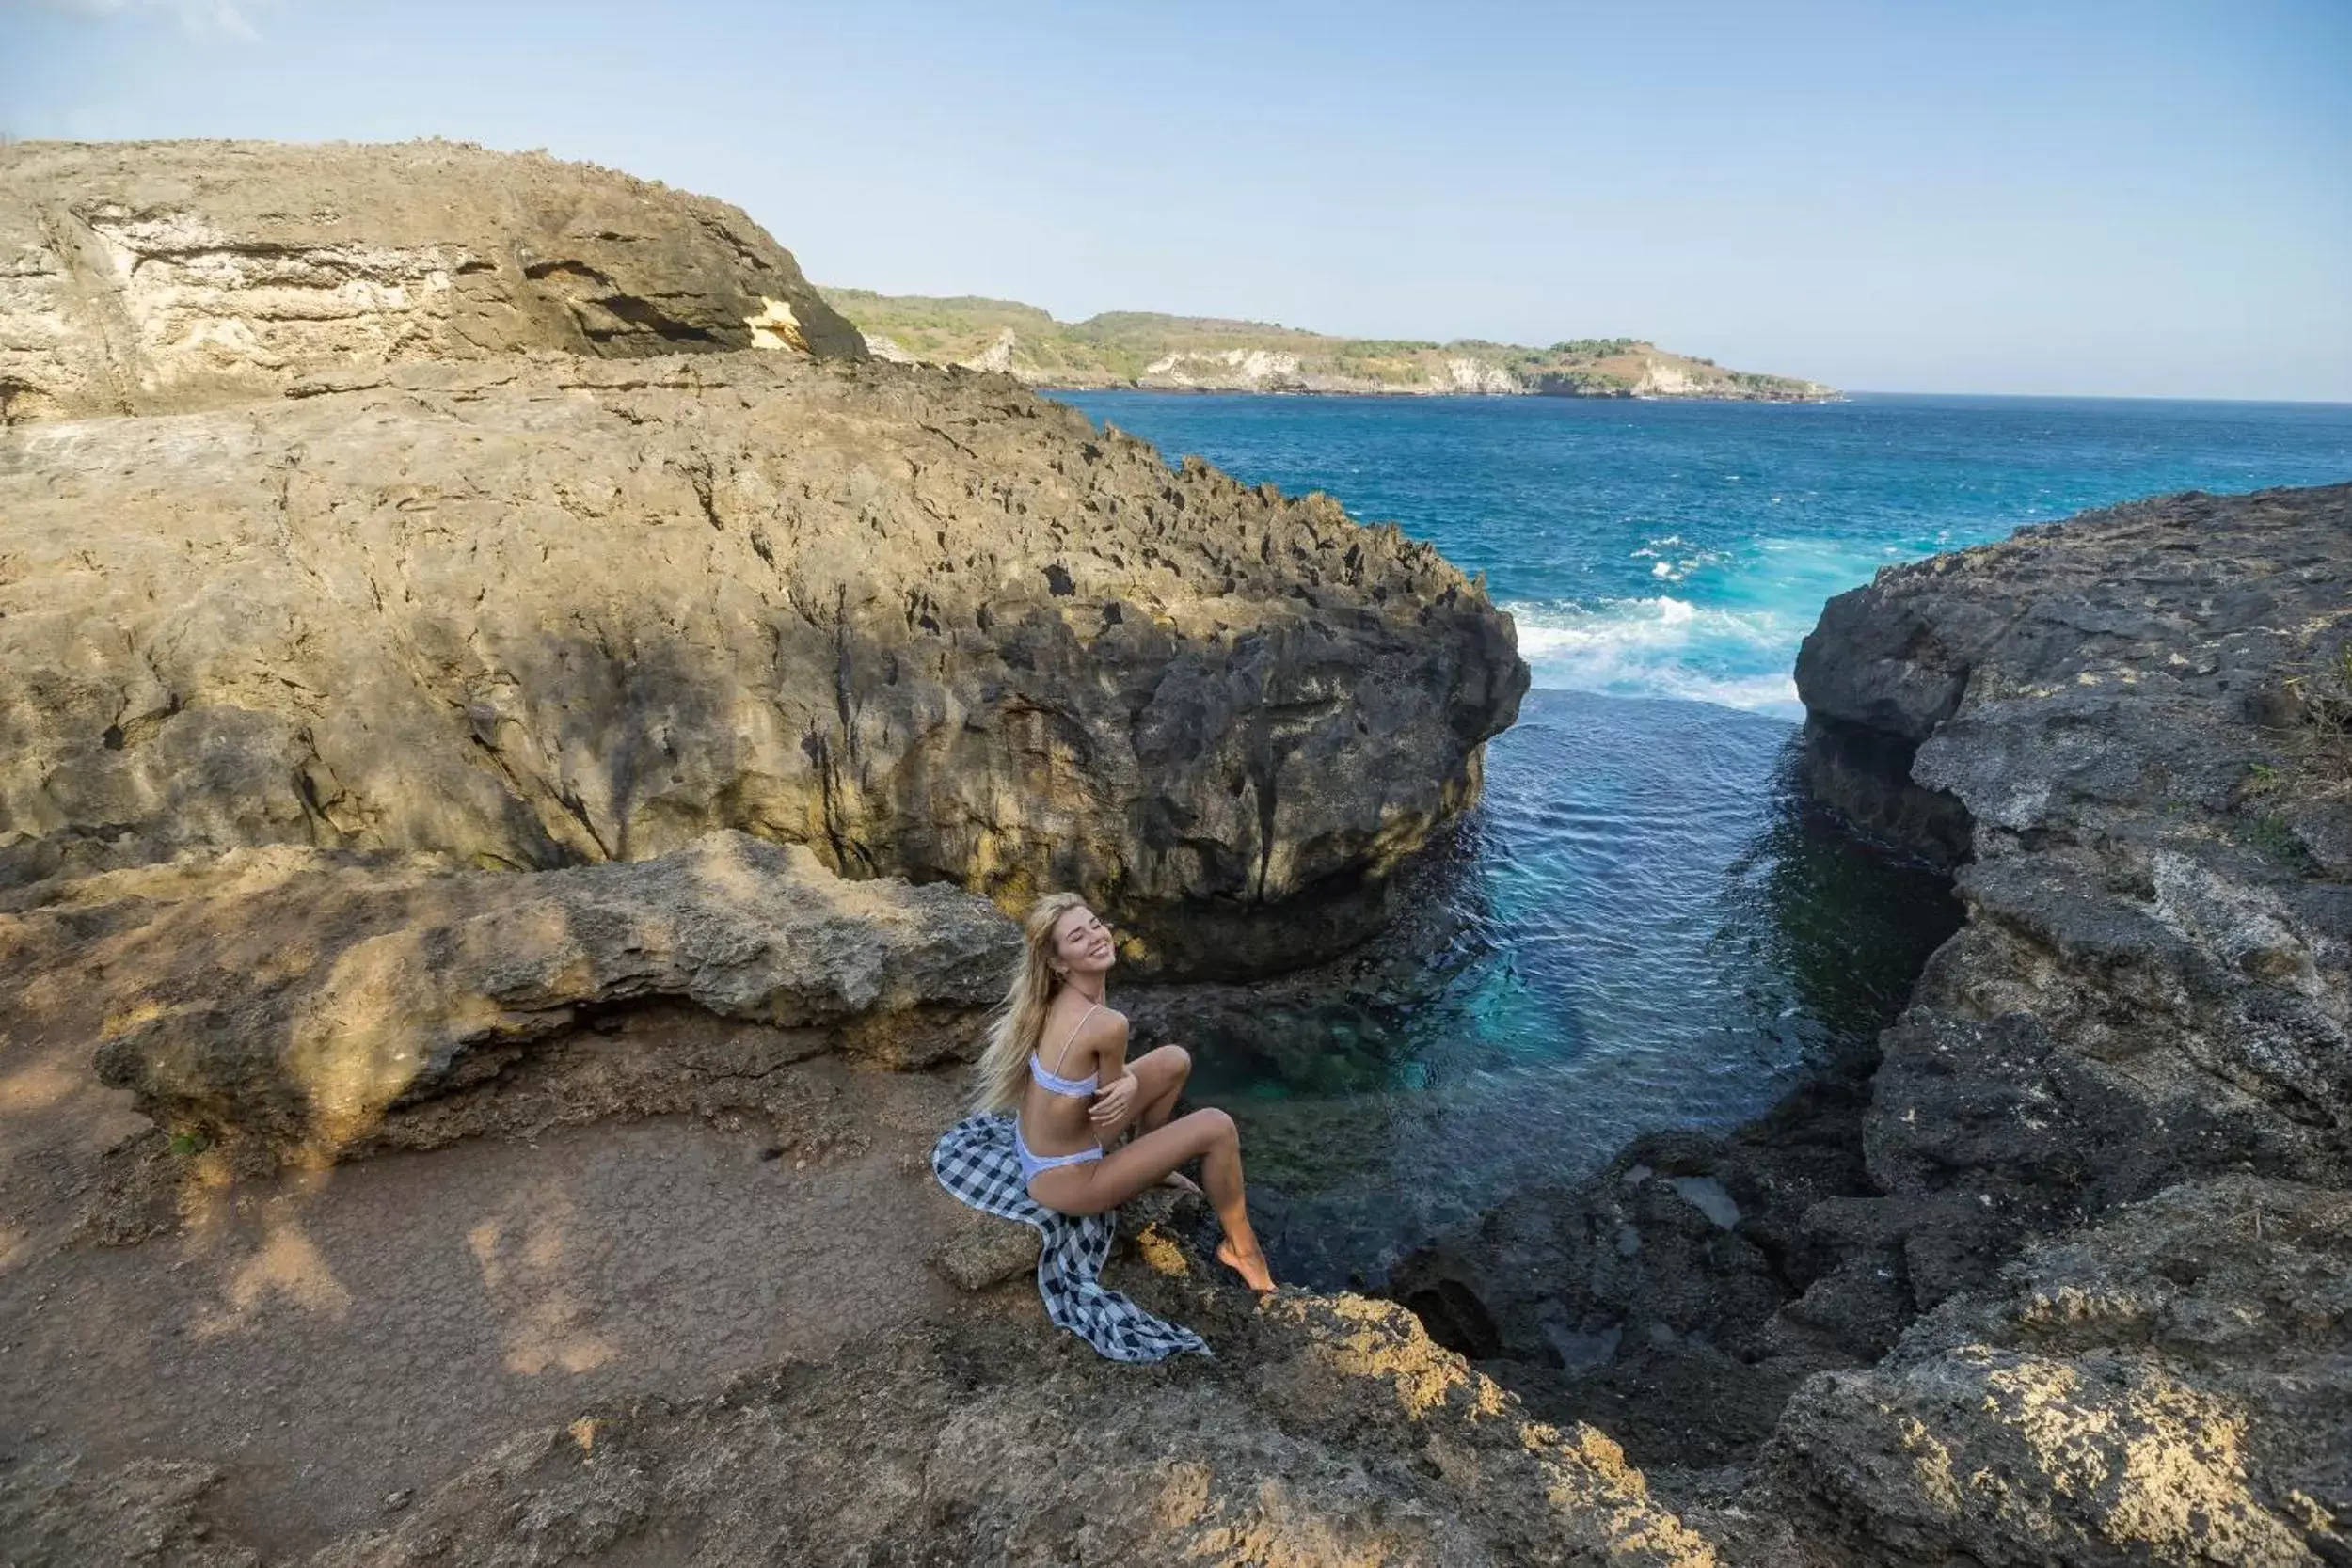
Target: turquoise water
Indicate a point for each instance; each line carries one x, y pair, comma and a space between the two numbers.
1683, 549
1653, 930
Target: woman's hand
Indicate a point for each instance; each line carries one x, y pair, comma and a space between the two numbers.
1113, 1103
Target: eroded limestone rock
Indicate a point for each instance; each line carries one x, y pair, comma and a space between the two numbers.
297, 998
1330, 1432
2170, 1388
930, 626
146, 276
2146, 715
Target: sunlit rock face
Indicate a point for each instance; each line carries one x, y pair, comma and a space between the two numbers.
2168, 1388
1328, 1433
928, 624
294, 999
143, 276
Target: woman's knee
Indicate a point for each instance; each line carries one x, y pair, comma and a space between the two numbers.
1216, 1125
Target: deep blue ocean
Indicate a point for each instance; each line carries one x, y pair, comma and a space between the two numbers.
1662, 933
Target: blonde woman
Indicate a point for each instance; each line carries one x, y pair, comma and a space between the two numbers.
1057, 1059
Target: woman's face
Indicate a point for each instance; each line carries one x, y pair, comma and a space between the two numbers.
1082, 944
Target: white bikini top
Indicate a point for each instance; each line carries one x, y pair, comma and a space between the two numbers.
1079, 1087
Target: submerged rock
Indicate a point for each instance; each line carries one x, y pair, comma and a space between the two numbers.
1676, 1297
145, 277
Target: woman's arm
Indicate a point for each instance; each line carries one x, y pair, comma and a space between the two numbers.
1117, 1092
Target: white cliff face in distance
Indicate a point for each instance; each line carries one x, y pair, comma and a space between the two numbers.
1208, 354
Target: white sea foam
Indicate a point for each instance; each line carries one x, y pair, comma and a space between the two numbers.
1662, 648
1668, 561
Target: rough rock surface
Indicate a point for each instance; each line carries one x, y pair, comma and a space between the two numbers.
2173, 1386
297, 998
2146, 715
143, 276
1676, 1297
1331, 1432
929, 625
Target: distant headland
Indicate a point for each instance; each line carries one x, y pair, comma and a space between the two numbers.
1138, 348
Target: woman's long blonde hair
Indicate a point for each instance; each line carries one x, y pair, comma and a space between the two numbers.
1005, 1065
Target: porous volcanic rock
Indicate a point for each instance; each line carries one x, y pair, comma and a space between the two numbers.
1328, 1431
296, 997
2145, 715
532, 614
145, 277
2171, 1387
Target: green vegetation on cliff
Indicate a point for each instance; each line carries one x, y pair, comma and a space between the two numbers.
1134, 348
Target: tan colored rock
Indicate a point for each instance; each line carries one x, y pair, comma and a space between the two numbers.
983, 1251
1368, 1445
546, 613
2170, 1388
144, 277
287, 997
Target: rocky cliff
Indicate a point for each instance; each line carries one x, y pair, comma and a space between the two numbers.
143, 276
539, 614
544, 775
2144, 717
1205, 354
2065, 1275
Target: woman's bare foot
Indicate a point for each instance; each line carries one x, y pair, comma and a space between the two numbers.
1179, 1180
1249, 1265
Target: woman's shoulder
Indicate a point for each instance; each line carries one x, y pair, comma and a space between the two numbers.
1105, 1022
1099, 1024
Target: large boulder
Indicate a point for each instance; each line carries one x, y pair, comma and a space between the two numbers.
141, 276
535, 614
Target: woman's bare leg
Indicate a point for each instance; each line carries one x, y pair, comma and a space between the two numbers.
1160, 1077
1170, 1066
1106, 1184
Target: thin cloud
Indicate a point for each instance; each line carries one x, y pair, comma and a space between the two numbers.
197, 18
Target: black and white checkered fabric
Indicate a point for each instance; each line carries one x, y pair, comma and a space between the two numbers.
975, 1160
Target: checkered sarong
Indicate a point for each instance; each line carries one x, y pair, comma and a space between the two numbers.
975, 1160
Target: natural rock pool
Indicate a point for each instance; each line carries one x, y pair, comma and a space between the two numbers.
1644, 927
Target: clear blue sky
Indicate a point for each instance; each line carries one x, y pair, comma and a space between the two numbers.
2145, 199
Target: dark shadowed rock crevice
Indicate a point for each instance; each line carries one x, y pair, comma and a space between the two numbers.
1679, 1296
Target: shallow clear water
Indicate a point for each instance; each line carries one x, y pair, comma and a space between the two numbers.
1656, 931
